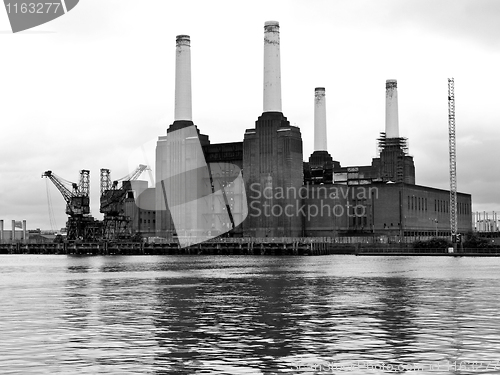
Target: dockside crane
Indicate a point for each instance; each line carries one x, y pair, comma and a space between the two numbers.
116, 224
80, 225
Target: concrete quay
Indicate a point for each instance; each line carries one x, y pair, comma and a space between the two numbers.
249, 247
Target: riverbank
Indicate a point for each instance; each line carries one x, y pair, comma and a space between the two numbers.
172, 248
247, 247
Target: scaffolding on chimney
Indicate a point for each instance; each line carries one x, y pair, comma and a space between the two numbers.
392, 152
399, 143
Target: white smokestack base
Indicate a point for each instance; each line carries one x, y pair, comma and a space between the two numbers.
391, 109
183, 108
272, 71
320, 141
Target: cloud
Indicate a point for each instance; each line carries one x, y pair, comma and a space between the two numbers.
472, 21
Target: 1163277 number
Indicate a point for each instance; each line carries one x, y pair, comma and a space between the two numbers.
38, 7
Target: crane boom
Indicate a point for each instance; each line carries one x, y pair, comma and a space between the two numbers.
80, 224
107, 184
135, 174
453, 161
66, 193
77, 201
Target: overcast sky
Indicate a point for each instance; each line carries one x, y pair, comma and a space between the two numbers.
90, 88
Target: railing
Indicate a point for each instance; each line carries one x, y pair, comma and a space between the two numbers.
241, 247
400, 250
430, 251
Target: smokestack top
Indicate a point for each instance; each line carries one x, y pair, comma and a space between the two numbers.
319, 94
183, 40
390, 83
272, 23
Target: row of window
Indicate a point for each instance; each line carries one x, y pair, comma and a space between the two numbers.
440, 205
463, 208
417, 203
427, 233
359, 221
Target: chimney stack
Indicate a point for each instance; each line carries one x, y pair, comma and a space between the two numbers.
320, 141
183, 109
272, 71
391, 109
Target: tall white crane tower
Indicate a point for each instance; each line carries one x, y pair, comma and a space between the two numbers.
453, 159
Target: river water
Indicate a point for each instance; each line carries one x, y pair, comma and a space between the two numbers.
249, 315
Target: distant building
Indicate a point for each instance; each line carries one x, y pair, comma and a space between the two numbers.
486, 222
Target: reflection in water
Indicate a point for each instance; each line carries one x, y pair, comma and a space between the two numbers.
215, 326
239, 315
399, 299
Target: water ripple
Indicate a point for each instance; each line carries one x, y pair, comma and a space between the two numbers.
244, 315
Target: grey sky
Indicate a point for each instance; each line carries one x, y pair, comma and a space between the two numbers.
101, 84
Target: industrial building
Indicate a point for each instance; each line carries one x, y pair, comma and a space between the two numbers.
261, 186
13, 234
283, 195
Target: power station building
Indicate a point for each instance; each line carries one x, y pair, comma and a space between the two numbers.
261, 186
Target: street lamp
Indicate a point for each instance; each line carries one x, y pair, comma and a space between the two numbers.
436, 221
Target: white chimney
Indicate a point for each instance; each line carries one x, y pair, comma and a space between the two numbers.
272, 71
183, 109
391, 109
320, 141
